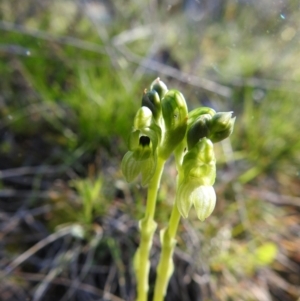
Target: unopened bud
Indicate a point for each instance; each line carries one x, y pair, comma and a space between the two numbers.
198, 130
160, 87
196, 113
143, 118
152, 101
221, 126
205, 122
175, 117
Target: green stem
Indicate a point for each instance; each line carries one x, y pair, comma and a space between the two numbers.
147, 229
166, 266
153, 188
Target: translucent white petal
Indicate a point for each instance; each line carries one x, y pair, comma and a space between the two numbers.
183, 200
204, 200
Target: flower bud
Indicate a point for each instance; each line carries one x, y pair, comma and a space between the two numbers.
152, 101
196, 113
221, 126
175, 117
143, 118
198, 130
198, 125
160, 87
205, 122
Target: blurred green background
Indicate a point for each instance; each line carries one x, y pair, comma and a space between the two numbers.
72, 74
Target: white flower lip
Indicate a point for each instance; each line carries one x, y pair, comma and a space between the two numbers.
204, 200
202, 197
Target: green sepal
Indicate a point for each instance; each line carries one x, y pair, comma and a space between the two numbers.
145, 137
205, 122
198, 124
144, 126
183, 200
196, 113
198, 130
142, 143
151, 100
199, 163
179, 153
148, 169
134, 140
174, 110
144, 140
160, 87
154, 134
221, 126
143, 118
131, 167
220, 121
143, 152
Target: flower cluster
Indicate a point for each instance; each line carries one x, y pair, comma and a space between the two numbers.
159, 126
162, 126
198, 170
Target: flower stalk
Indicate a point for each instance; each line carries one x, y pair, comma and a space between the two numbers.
147, 228
165, 266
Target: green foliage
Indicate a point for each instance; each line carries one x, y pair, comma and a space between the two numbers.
80, 204
265, 254
268, 142
91, 198
67, 89
244, 258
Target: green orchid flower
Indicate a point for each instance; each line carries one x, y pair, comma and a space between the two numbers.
143, 142
196, 178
